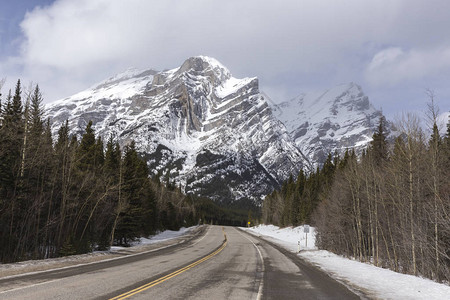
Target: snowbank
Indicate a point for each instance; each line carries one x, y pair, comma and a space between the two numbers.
288, 237
159, 237
373, 281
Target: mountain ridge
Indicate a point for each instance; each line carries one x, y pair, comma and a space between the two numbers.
214, 134
196, 124
329, 121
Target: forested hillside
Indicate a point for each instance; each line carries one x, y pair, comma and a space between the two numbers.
389, 207
73, 195
295, 201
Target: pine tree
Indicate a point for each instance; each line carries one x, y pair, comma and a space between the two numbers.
99, 157
87, 149
128, 227
448, 131
63, 180
113, 202
16, 108
91, 189
36, 113
344, 161
327, 171
112, 160
11, 141
63, 137
300, 213
378, 145
435, 139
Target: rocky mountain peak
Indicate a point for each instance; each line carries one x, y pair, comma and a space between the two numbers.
329, 121
217, 135
213, 134
205, 66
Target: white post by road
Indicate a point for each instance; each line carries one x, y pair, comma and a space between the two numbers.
306, 230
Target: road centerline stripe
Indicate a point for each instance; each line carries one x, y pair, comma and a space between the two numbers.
171, 275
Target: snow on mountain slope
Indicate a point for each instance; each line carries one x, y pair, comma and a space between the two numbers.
212, 133
329, 121
215, 134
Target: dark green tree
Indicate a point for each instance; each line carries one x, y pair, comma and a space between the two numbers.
112, 160
138, 218
378, 145
11, 199
87, 150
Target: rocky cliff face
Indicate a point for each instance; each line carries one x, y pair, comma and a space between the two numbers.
329, 121
217, 135
212, 133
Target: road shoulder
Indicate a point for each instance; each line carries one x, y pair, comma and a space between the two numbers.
36, 266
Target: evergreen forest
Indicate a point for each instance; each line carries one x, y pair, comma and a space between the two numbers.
72, 195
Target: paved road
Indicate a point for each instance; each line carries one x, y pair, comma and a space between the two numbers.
225, 263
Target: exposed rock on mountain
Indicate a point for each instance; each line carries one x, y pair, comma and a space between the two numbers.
217, 135
208, 131
333, 120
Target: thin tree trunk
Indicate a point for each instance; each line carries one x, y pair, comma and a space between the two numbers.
119, 205
369, 202
411, 208
25, 134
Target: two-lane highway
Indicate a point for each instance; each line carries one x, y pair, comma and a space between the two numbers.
225, 263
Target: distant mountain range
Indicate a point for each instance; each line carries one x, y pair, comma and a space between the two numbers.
216, 135
332, 120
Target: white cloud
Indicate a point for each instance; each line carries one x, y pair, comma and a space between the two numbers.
394, 65
88, 40
291, 45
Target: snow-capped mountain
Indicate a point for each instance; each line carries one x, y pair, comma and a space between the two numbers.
216, 135
329, 121
212, 133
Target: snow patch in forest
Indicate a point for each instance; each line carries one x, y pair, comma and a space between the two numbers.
375, 282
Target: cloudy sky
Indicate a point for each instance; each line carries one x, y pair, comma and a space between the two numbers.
394, 49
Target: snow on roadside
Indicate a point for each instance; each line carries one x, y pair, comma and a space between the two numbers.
140, 245
159, 237
287, 237
375, 282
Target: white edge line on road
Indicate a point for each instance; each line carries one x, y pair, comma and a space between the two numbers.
29, 286
207, 229
261, 283
94, 262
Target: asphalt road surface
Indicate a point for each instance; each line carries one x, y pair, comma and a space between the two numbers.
224, 263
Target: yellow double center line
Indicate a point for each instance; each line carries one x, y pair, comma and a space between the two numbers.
171, 275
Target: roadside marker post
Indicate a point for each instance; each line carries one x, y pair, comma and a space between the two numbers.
306, 230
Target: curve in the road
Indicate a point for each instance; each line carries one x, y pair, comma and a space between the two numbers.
261, 282
171, 275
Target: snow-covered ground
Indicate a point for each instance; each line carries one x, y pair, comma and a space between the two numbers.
373, 281
162, 236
